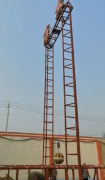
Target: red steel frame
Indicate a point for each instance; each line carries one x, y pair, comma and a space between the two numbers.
69, 81
69, 85
72, 168
69, 167
48, 104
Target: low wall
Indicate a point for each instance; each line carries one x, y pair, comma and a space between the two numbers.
29, 151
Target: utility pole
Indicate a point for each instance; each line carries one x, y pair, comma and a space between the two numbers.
7, 116
60, 130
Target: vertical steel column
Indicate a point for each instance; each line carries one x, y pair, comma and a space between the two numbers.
97, 176
48, 120
69, 87
75, 102
73, 174
17, 174
44, 110
8, 172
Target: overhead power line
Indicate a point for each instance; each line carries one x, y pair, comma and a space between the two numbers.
29, 108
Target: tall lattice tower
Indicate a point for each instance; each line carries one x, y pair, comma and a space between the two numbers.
48, 118
62, 25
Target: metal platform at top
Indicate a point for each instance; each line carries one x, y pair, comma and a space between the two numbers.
56, 29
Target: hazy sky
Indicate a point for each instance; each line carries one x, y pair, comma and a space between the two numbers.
22, 24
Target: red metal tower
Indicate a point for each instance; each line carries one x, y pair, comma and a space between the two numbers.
48, 104
69, 86
63, 24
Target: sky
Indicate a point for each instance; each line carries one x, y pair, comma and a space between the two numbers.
22, 59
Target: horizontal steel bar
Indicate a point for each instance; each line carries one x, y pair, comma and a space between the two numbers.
68, 52
49, 114
49, 85
48, 106
11, 167
65, 30
48, 122
70, 117
67, 59
49, 57
48, 93
66, 33
75, 154
67, 49
49, 50
49, 80
69, 104
50, 61
69, 76
66, 67
67, 44
69, 95
68, 84
49, 99
68, 128
66, 36
48, 129
47, 67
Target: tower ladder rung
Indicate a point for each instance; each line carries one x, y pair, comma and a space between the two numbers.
48, 93
67, 44
48, 106
73, 128
47, 156
48, 122
66, 36
72, 117
69, 95
75, 154
70, 104
68, 84
66, 30
66, 33
67, 59
48, 130
68, 65
69, 76
48, 114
